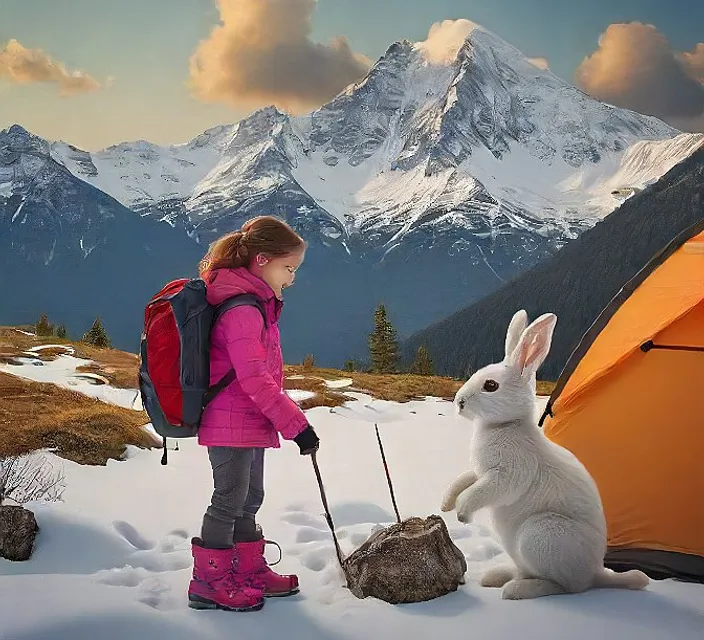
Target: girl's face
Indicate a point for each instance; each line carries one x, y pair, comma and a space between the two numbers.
278, 272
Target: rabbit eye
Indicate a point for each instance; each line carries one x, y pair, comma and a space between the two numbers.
491, 386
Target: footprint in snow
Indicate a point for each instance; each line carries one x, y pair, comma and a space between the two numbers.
122, 577
303, 519
172, 553
177, 540
294, 506
129, 533
317, 559
156, 593
309, 534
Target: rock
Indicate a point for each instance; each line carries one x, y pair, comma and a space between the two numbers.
18, 529
411, 561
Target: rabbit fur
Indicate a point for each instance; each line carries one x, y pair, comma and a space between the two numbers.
546, 508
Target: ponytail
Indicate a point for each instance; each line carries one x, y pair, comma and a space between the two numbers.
264, 234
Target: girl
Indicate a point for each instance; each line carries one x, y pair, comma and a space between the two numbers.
229, 569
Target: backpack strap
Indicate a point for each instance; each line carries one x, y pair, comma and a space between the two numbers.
244, 299
241, 300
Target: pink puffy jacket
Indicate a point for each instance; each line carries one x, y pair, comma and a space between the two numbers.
254, 409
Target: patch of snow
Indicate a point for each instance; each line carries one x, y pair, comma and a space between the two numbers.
339, 384
149, 429
84, 375
26, 333
6, 188
67, 348
298, 395
17, 211
62, 371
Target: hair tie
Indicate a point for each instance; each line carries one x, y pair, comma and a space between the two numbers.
241, 246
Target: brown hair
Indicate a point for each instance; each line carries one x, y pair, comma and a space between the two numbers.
263, 234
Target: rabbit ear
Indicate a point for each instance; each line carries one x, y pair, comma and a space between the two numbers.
516, 327
534, 345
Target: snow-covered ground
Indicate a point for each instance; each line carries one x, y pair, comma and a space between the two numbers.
113, 560
62, 372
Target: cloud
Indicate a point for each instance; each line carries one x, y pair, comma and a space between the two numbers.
261, 53
19, 65
541, 63
635, 67
694, 61
445, 39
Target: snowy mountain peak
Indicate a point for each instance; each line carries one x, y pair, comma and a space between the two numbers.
16, 139
215, 137
17, 131
459, 133
140, 174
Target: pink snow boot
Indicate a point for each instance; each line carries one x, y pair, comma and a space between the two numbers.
250, 561
214, 584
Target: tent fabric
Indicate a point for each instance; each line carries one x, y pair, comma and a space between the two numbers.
635, 417
669, 292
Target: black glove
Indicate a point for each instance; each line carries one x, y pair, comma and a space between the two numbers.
307, 441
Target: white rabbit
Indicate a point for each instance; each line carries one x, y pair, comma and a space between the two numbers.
545, 506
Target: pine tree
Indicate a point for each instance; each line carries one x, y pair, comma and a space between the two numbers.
97, 336
383, 345
44, 327
61, 332
350, 366
423, 364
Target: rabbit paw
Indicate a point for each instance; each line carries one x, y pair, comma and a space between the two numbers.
465, 516
464, 509
453, 491
447, 503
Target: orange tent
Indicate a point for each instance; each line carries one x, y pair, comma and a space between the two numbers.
630, 405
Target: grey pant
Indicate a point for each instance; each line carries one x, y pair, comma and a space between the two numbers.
238, 479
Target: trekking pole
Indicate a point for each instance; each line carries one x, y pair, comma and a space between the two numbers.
328, 517
388, 475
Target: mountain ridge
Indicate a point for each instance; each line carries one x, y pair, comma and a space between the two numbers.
425, 186
577, 283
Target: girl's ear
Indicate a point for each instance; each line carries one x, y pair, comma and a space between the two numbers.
261, 259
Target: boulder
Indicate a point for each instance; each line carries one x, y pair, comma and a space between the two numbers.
411, 561
18, 529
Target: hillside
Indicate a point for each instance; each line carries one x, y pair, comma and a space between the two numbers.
577, 283
442, 177
82, 401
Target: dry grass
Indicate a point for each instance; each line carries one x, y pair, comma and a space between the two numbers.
35, 415
399, 387
396, 387
119, 367
324, 397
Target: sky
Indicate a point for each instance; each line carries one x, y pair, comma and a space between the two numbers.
97, 72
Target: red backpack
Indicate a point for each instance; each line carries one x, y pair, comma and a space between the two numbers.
174, 372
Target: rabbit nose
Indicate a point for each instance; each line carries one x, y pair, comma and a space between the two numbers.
460, 403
